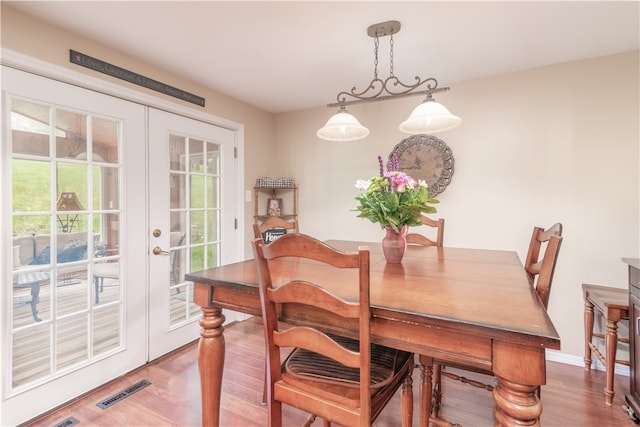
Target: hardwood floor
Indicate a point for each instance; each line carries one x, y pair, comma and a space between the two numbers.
572, 396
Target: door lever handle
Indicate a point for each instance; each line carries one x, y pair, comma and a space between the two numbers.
159, 251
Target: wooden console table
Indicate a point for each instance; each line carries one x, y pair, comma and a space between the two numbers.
469, 306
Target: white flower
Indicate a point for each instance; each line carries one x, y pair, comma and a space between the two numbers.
362, 184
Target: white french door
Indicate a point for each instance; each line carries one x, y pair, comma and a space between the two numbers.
191, 219
72, 185
106, 205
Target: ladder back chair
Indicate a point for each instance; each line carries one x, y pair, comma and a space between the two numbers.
341, 380
539, 266
419, 239
276, 224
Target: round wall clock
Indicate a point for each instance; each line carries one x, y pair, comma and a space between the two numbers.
425, 157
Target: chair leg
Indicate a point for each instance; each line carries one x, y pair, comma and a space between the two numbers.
406, 400
611, 347
588, 333
437, 390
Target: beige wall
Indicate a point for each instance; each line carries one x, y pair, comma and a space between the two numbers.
558, 143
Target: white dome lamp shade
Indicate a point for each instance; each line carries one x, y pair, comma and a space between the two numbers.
342, 126
429, 117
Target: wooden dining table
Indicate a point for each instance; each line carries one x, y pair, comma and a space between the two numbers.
469, 306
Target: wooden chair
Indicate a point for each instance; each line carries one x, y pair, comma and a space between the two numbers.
276, 224
419, 239
540, 271
341, 380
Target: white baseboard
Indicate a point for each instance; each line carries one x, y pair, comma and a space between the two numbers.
569, 359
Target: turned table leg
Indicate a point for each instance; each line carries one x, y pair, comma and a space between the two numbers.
210, 356
520, 371
426, 389
516, 404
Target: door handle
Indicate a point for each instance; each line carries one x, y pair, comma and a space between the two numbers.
159, 251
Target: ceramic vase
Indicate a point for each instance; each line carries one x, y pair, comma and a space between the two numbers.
394, 244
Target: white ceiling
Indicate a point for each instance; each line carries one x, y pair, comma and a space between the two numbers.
285, 56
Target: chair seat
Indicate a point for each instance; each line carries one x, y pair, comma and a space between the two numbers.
305, 364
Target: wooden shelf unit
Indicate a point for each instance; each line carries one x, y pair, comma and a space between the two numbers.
261, 196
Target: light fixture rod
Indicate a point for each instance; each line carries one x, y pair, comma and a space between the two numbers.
382, 98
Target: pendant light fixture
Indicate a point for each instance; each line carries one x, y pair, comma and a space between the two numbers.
428, 117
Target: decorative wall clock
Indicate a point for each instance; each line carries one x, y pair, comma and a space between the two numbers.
426, 157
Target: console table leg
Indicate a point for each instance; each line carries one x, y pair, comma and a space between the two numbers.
211, 351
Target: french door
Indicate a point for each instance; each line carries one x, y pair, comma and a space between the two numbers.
191, 168
106, 205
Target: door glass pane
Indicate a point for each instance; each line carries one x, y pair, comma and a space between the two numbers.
65, 203
73, 138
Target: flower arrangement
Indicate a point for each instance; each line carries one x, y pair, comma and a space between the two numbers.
393, 199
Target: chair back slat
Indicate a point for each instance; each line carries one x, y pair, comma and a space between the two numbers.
419, 239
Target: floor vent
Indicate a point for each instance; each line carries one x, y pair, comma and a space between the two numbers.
110, 401
67, 423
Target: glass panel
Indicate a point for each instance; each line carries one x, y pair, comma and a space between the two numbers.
71, 341
177, 153
213, 159
213, 226
106, 329
213, 256
25, 229
197, 226
197, 258
30, 128
107, 235
213, 192
104, 133
31, 354
106, 281
176, 274
105, 188
72, 292
197, 191
29, 177
177, 311
178, 191
31, 297
196, 155
73, 143
179, 222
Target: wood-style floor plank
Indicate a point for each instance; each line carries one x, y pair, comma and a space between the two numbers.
572, 396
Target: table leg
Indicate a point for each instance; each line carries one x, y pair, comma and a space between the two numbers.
520, 371
611, 346
516, 404
426, 389
588, 333
211, 363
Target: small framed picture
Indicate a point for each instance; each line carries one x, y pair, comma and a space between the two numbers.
275, 207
